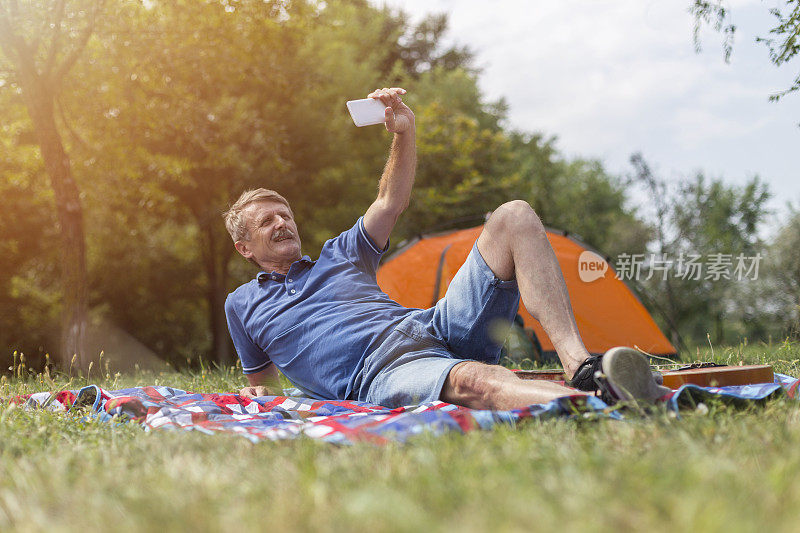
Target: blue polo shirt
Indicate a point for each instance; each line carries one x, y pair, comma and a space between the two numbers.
318, 322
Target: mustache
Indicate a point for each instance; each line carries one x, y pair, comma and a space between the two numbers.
282, 234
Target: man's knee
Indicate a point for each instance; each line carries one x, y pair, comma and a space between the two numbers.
514, 218
474, 384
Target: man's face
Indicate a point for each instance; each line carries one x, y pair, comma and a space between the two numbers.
272, 234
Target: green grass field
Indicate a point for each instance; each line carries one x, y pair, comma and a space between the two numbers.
707, 471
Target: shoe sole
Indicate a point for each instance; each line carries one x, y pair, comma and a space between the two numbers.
629, 376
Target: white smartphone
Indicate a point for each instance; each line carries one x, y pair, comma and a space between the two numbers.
367, 111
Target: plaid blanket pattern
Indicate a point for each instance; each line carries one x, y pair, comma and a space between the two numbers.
344, 422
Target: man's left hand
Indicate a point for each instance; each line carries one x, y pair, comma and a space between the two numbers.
399, 117
254, 392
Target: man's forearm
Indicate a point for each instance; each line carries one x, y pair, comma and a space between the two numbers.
397, 180
394, 189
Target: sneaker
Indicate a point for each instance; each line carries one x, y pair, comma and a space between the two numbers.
583, 379
626, 376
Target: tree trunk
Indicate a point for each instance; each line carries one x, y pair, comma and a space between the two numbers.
720, 328
673, 314
216, 257
39, 100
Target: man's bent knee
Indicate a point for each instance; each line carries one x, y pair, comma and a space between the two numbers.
515, 217
501, 234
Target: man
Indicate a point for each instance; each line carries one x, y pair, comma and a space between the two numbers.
327, 327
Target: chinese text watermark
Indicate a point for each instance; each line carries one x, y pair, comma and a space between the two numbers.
686, 266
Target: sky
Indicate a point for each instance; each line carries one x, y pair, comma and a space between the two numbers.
612, 77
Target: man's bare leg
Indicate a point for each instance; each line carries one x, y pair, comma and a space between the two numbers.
481, 386
514, 244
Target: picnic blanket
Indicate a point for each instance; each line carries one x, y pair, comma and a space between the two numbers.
345, 422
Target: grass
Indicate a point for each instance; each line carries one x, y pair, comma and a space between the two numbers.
707, 471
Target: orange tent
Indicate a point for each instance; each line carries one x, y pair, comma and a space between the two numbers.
606, 311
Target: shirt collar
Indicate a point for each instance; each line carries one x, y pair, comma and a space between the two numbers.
264, 276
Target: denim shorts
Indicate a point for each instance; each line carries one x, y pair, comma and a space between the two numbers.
470, 323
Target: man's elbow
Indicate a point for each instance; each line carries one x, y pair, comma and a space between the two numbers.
392, 207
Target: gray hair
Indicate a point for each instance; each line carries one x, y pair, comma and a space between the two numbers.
234, 218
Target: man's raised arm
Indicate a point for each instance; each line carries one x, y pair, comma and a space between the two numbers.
394, 190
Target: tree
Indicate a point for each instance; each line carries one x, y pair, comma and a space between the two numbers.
194, 105
700, 219
27, 229
784, 274
783, 40
176, 107
580, 197
419, 47
251, 98
41, 42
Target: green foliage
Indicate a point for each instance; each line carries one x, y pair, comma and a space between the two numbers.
787, 252
469, 164
28, 262
783, 41
704, 218
716, 214
420, 50
463, 169
784, 44
782, 283
174, 108
40, 43
716, 14
583, 199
